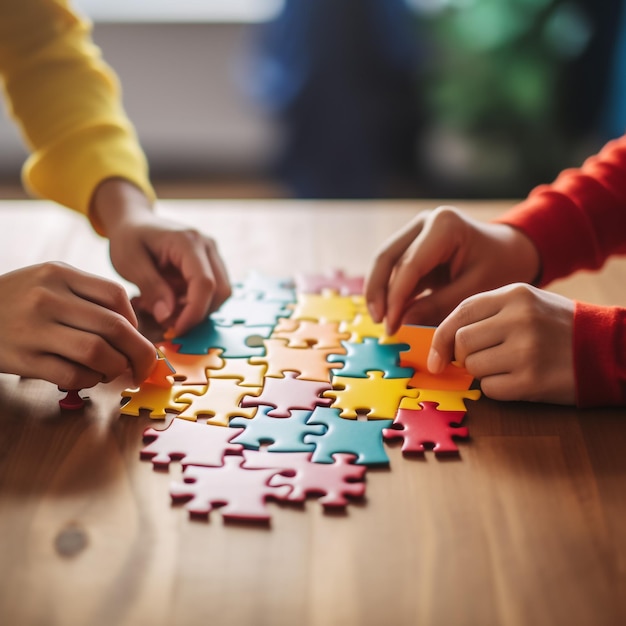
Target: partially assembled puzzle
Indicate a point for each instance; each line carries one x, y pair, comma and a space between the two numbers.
290, 391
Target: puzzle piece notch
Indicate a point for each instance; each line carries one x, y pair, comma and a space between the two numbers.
241, 494
192, 444
427, 427
284, 434
370, 355
379, 397
287, 394
336, 281
219, 401
248, 374
336, 483
360, 438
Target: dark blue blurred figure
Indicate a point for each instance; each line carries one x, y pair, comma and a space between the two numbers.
340, 77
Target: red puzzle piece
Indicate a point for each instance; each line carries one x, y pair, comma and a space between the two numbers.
289, 393
334, 481
242, 493
192, 443
427, 426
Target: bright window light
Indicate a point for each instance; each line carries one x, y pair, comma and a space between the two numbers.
179, 10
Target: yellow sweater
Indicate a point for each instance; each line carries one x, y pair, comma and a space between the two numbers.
67, 103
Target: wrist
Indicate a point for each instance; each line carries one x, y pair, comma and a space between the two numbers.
116, 202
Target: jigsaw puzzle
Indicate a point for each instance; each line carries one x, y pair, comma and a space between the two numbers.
290, 392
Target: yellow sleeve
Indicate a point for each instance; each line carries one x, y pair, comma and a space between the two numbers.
67, 103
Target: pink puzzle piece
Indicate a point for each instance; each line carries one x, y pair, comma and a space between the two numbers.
309, 333
241, 493
427, 426
312, 364
189, 442
190, 367
335, 482
289, 393
336, 280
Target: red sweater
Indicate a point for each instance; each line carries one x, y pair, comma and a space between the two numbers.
576, 223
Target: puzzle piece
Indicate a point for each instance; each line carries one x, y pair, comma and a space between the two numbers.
309, 334
219, 401
192, 368
427, 426
237, 341
289, 393
286, 434
336, 281
446, 399
336, 481
248, 374
361, 358
266, 287
154, 398
311, 364
361, 438
362, 326
375, 396
249, 310
241, 493
419, 339
163, 373
192, 444
324, 307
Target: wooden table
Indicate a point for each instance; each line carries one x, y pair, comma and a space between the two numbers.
528, 527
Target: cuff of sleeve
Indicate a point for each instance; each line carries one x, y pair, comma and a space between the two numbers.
69, 171
600, 355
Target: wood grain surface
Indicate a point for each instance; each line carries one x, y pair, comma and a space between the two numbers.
527, 527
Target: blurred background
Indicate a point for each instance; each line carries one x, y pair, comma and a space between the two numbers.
360, 98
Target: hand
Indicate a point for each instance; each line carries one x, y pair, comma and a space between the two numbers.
440, 258
69, 327
179, 272
517, 340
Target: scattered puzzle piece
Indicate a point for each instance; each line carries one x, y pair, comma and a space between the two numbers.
285, 434
311, 364
192, 444
241, 493
237, 341
309, 334
335, 482
334, 281
72, 400
289, 393
153, 398
427, 426
191, 368
446, 399
361, 358
375, 396
363, 439
219, 401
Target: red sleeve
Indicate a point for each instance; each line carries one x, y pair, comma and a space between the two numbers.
579, 220
576, 223
600, 355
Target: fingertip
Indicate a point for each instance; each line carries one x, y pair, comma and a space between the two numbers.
435, 363
375, 309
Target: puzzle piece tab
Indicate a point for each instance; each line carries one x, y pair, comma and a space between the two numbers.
447, 400
336, 482
192, 444
241, 494
156, 399
427, 426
